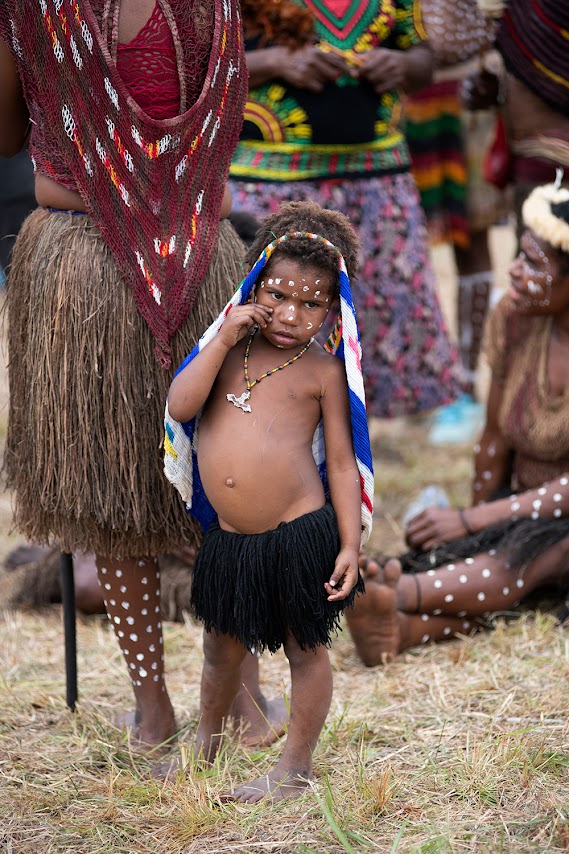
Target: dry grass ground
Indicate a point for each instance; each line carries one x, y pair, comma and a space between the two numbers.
462, 747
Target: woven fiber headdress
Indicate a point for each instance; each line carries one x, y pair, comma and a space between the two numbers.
180, 460
546, 212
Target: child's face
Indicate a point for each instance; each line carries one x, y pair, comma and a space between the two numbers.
300, 297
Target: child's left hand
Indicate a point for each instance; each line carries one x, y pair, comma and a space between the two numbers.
345, 575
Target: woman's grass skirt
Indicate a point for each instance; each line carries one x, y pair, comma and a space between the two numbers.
260, 587
84, 448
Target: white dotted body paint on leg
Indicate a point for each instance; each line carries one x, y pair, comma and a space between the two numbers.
137, 628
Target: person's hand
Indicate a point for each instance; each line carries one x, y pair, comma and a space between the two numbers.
241, 319
434, 526
345, 575
310, 68
481, 90
384, 69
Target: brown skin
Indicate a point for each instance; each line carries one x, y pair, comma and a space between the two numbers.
390, 618
272, 444
311, 68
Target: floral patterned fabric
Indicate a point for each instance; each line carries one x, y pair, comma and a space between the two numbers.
409, 364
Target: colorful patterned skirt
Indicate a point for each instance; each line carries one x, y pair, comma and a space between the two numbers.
448, 146
433, 128
409, 364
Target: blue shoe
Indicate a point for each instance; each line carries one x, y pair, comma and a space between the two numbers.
458, 423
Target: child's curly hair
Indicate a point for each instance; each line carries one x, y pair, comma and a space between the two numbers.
308, 216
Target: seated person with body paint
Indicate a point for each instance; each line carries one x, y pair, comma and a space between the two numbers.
279, 561
467, 564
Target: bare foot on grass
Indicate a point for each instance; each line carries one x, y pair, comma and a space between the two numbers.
264, 726
277, 785
374, 621
142, 742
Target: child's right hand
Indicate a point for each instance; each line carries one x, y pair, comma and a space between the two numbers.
241, 319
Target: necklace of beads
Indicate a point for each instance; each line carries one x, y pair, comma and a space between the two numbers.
241, 401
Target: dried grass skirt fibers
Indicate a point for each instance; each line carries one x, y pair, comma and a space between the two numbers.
84, 448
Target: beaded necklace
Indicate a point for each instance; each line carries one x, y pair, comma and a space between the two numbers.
240, 402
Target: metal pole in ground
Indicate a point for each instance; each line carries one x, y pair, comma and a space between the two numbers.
69, 628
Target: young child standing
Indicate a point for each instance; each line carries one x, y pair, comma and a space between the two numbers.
279, 563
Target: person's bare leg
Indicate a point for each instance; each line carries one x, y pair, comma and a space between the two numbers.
220, 682
88, 593
311, 695
405, 610
131, 590
262, 721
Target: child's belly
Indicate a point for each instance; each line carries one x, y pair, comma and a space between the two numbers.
256, 484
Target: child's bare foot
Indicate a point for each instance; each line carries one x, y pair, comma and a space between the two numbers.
374, 621
277, 785
264, 726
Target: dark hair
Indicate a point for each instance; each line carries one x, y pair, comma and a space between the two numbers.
245, 224
308, 216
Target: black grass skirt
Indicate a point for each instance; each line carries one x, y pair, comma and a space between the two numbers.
260, 587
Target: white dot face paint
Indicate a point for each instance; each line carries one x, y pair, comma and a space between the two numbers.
144, 580
563, 481
486, 573
505, 591
469, 561
519, 583
557, 497
449, 597
481, 597
447, 630
425, 638
463, 579
451, 567
437, 612
438, 583
309, 325
557, 512
424, 617
118, 573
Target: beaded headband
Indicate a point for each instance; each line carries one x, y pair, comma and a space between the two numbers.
546, 212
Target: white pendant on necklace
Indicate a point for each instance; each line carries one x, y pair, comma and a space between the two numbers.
239, 402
